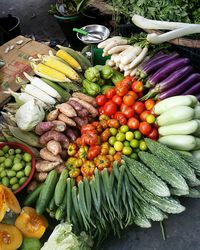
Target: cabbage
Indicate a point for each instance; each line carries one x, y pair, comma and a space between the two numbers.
62, 238
29, 115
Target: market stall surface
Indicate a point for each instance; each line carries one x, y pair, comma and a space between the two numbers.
182, 231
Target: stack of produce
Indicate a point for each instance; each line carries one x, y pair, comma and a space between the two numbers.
99, 79
123, 56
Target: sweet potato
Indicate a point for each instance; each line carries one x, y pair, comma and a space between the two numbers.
52, 135
71, 135
64, 154
60, 168
76, 105
65, 145
54, 147
45, 166
92, 110
67, 120
85, 98
43, 127
66, 109
40, 176
80, 121
45, 154
83, 113
32, 186
53, 115
59, 126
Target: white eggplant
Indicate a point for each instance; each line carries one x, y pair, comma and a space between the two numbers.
38, 83
180, 142
178, 114
171, 102
39, 94
185, 128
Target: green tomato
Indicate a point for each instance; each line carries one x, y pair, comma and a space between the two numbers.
11, 173
15, 186
143, 146
134, 156
18, 151
112, 151
118, 146
20, 174
112, 140
27, 170
1, 153
5, 181
27, 157
120, 136
11, 151
13, 180
5, 148
3, 174
8, 162
17, 166
18, 156
150, 119
127, 150
2, 159
113, 131
16, 160
22, 180
126, 144
134, 143
124, 129
137, 135
129, 136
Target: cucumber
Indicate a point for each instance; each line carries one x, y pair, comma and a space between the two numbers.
61, 187
164, 170
60, 212
172, 157
63, 93
52, 204
47, 192
147, 178
32, 197
69, 200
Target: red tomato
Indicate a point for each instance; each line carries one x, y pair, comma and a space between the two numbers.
138, 107
110, 93
127, 80
122, 90
86, 128
101, 100
117, 99
129, 100
120, 117
123, 107
133, 94
149, 104
110, 108
101, 110
129, 112
153, 134
137, 86
144, 114
140, 94
133, 123
145, 128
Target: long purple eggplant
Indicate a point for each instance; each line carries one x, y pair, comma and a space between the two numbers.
157, 63
164, 71
194, 90
180, 87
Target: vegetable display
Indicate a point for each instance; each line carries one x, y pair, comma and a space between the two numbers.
116, 144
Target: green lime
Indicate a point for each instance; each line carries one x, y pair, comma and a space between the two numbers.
112, 140
113, 131
134, 156
137, 135
8, 162
112, 151
143, 146
118, 146
27, 157
126, 144
129, 136
134, 143
127, 150
124, 129
120, 136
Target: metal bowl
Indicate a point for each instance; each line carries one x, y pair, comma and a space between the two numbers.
96, 34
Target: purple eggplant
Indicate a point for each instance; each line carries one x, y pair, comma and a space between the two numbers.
180, 87
164, 71
194, 90
157, 63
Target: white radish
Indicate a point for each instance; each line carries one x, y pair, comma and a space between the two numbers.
110, 62
139, 58
117, 49
130, 54
127, 72
127, 67
107, 41
115, 43
133, 72
37, 82
121, 67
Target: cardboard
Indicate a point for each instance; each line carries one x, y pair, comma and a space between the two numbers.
17, 61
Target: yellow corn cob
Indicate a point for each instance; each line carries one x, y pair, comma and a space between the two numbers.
69, 59
61, 67
49, 73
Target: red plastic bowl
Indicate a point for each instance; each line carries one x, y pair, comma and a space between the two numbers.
27, 150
